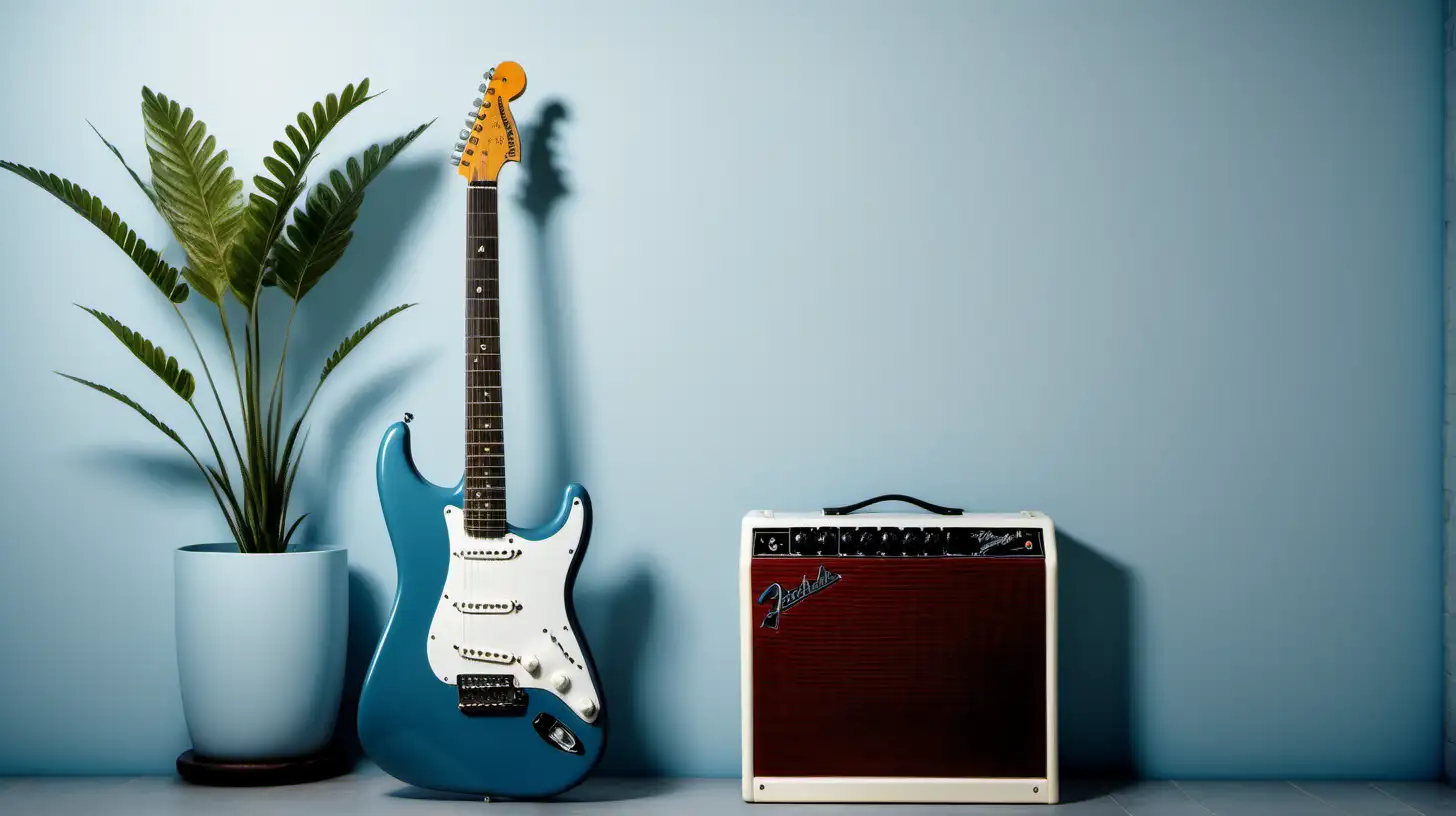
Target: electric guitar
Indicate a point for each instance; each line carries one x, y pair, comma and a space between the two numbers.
482, 682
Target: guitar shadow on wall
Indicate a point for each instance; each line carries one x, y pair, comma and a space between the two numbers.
617, 618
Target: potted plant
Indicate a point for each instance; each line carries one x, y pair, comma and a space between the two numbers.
261, 624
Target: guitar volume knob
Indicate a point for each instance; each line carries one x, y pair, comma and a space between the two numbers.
530, 664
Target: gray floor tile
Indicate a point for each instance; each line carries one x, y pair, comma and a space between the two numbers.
1430, 798
1258, 798
1356, 798
370, 792
1152, 798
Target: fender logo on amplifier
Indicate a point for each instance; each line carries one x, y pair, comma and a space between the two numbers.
783, 601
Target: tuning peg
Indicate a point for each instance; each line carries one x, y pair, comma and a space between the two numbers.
470, 121
478, 103
464, 134
482, 87
455, 158
459, 147
489, 74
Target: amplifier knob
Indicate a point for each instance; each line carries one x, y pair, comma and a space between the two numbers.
867, 541
823, 540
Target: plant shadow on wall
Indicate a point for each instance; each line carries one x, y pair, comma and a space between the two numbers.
395, 200
617, 619
1095, 615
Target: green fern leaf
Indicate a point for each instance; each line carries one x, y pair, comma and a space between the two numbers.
355, 339
321, 231
120, 397
266, 213
196, 190
162, 274
146, 188
177, 378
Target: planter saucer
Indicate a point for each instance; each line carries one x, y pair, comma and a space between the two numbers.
327, 763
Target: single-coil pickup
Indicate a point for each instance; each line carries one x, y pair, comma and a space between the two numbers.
507, 608
486, 657
487, 555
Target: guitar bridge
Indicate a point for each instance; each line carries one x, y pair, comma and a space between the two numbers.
490, 695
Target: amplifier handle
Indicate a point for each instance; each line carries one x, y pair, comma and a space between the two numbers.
924, 505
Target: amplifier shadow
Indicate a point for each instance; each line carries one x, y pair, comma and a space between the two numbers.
1096, 619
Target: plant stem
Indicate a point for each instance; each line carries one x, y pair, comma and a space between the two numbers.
275, 398
248, 477
242, 545
215, 395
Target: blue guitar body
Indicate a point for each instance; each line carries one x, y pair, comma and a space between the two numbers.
410, 720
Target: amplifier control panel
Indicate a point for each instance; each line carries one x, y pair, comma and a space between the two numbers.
898, 542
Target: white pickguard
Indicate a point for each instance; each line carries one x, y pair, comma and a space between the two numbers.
503, 611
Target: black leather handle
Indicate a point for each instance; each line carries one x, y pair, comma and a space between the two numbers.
923, 505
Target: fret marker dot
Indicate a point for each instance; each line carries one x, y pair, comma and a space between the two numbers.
482, 347
477, 494
477, 290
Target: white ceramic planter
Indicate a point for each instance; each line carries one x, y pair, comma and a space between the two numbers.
261, 642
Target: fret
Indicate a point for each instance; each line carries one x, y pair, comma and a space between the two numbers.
485, 479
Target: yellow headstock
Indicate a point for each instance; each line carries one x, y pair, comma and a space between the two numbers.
491, 139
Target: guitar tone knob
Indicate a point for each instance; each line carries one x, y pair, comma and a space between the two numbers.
530, 664
587, 708
560, 681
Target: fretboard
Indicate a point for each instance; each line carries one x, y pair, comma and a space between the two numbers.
485, 439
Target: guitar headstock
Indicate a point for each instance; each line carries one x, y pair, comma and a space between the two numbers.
490, 138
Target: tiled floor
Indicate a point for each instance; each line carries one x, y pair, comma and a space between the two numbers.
368, 791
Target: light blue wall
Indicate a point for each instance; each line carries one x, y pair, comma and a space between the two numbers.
1169, 272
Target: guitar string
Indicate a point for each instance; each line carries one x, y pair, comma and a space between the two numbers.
482, 272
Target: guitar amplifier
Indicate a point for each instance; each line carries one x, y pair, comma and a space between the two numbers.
907, 657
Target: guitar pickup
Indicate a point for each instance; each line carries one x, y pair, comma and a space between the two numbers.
480, 656
487, 555
506, 608
491, 695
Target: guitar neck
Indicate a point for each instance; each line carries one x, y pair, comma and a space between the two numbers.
485, 443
